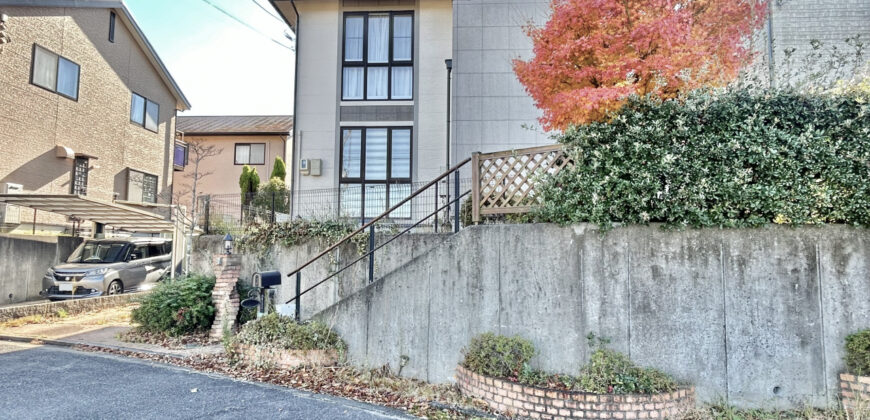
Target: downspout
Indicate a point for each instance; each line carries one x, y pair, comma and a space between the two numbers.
296, 153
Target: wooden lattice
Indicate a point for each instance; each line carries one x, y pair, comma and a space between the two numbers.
504, 182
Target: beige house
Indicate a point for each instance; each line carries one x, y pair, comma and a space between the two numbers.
86, 107
241, 140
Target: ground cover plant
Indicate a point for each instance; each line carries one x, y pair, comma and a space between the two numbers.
283, 332
858, 353
607, 372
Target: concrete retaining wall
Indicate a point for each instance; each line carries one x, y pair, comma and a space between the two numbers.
25, 259
71, 307
286, 259
756, 317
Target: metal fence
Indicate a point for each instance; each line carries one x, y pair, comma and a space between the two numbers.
351, 203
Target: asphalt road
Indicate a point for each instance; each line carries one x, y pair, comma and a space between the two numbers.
57, 383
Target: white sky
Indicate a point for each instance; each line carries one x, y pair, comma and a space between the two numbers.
222, 66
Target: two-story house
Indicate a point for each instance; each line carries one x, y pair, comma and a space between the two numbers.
371, 99
86, 107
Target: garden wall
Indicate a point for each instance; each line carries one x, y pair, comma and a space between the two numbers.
754, 316
286, 259
25, 259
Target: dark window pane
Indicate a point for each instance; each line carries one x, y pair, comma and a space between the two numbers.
137, 109
111, 26
179, 157
80, 176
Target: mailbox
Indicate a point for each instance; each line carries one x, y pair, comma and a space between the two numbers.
266, 279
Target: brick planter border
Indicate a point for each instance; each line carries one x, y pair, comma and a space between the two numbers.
539, 403
283, 358
855, 391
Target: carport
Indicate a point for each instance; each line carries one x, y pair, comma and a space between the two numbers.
120, 217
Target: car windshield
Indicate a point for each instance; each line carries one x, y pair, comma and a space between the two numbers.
96, 252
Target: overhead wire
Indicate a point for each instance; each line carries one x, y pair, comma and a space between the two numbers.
246, 24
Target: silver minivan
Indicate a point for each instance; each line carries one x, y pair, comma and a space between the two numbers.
109, 267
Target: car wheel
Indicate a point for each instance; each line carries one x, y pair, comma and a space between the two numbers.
115, 288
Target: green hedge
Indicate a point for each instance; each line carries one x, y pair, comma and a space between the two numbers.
178, 307
858, 353
498, 356
723, 159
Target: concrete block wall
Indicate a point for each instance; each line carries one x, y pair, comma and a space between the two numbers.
755, 317
24, 261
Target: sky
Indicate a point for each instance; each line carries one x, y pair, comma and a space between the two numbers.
222, 66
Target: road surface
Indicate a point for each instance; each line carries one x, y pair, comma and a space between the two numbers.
58, 383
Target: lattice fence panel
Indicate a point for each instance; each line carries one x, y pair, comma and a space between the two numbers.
504, 182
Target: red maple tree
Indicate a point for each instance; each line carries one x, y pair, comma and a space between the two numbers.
592, 54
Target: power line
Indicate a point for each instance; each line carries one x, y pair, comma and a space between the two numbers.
233, 17
267, 11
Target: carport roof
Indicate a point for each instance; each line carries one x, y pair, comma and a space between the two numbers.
83, 208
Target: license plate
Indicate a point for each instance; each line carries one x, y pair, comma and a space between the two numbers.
65, 287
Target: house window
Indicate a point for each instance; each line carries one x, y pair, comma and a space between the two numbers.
55, 73
111, 26
250, 154
80, 176
141, 187
375, 171
378, 56
179, 157
144, 112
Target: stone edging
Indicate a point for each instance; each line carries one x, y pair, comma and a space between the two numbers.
855, 391
71, 307
283, 358
539, 403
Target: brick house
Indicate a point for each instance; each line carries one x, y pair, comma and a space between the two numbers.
371, 91
87, 106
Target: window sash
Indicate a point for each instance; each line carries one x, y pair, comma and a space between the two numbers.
250, 154
376, 155
55, 73
137, 109
374, 44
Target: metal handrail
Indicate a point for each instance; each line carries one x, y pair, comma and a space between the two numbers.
370, 223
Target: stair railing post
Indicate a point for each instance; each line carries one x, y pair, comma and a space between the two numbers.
475, 187
298, 291
456, 204
206, 205
372, 253
436, 207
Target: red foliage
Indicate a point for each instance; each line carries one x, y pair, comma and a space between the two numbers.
592, 54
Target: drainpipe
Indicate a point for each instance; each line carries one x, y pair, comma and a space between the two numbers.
449, 63
294, 181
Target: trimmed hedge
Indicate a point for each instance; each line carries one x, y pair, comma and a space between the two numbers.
858, 353
498, 356
178, 307
718, 159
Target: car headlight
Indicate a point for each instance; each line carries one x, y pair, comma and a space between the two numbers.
97, 272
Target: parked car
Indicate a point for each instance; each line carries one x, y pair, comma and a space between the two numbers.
108, 267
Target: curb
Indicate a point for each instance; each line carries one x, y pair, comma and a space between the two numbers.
71, 344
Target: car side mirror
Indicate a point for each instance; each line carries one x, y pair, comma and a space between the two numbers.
132, 257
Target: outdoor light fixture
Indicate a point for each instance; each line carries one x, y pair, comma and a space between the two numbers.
228, 244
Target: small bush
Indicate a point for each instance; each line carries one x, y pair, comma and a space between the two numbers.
610, 372
178, 307
858, 353
283, 332
498, 356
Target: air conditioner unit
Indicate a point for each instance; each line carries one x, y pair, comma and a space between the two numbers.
10, 214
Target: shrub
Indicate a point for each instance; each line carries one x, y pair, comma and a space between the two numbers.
283, 332
610, 372
249, 182
279, 169
858, 353
272, 194
178, 307
498, 356
718, 159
